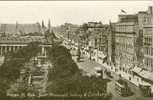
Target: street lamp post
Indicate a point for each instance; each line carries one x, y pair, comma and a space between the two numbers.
90, 52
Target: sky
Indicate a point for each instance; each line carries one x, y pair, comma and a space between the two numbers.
59, 12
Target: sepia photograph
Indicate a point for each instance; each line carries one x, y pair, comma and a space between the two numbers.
76, 50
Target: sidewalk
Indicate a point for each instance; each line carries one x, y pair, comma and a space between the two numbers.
89, 66
136, 80
125, 75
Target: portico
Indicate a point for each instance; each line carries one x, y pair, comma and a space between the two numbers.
12, 45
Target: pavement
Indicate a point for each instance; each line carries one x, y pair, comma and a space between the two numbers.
89, 66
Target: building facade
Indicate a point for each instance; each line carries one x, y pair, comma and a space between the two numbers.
12, 44
98, 40
148, 39
134, 47
125, 39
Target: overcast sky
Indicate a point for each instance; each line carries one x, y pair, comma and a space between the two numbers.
60, 12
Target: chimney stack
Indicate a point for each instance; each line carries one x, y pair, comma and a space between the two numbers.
150, 9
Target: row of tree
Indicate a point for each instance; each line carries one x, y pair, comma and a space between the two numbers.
66, 78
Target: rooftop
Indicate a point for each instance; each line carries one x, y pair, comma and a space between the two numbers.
128, 18
95, 25
20, 28
21, 39
125, 23
28, 39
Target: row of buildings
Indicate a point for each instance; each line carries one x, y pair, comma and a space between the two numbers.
133, 43
131, 49
126, 44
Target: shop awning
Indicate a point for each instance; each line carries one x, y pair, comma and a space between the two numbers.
146, 74
137, 70
143, 73
145, 84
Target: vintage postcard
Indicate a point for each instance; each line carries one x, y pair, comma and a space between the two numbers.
76, 50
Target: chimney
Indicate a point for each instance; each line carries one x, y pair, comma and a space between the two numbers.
150, 9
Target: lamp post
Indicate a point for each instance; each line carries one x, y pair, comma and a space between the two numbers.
79, 54
68, 33
90, 52
78, 50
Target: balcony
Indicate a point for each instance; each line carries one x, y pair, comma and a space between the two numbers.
148, 56
146, 25
38, 77
127, 27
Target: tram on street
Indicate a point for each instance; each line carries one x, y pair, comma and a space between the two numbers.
122, 88
146, 90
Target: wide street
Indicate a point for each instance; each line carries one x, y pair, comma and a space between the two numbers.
89, 66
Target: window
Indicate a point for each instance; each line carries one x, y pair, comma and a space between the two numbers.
152, 65
129, 78
147, 40
152, 51
138, 79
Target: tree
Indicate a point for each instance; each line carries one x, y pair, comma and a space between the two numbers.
85, 27
89, 85
13, 63
64, 86
67, 79
64, 71
63, 65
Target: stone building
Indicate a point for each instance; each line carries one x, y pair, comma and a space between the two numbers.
98, 40
148, 39
125, 37
12, 44
134, 47
98, 35
111, 45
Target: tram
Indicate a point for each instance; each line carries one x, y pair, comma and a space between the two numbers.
146, 90
122, 88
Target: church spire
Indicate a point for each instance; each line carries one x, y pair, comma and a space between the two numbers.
16, 28
43, 25
49, 25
